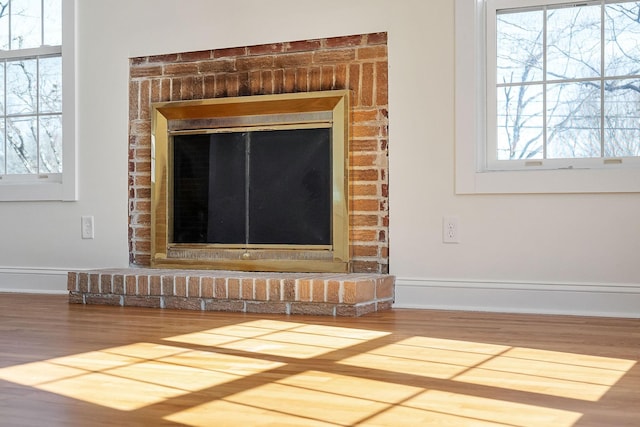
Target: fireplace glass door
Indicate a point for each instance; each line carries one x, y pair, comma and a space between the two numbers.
253, 188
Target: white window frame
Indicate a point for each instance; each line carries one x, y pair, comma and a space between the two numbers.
60, 186
471, 171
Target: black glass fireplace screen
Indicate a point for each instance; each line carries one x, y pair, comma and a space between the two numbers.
257, 187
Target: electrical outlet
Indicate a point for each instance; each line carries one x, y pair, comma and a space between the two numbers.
87, 227
451, 229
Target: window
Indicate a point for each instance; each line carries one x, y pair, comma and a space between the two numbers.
33, 138
555, 90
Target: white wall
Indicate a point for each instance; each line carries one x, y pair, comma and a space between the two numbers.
543, 253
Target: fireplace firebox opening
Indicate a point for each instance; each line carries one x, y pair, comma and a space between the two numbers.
254, 183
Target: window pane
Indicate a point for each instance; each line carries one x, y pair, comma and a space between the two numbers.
51, 144
52, 22
622, 32
573, 117
622, 118
4, 25
25, 24
22, 147
21, 85
519, 39
520, 122
51, 85
573, 42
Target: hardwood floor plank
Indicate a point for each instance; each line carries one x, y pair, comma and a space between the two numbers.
77, 365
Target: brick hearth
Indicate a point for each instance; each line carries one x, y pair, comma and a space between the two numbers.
352, 294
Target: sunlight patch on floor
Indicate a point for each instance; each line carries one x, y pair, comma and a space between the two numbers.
439, 408
309, 398
235, 414
276, 338
546, 372
552, 373
428, 357
112, 391
136, 375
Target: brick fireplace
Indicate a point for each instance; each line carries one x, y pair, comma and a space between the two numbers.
356, 63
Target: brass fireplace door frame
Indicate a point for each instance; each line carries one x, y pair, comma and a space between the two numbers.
328, 106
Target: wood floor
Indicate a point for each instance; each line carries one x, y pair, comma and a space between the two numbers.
76, 365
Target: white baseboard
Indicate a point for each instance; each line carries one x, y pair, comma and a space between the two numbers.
33, 280
586, 299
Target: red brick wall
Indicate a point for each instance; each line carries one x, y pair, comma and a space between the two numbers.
358, 63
